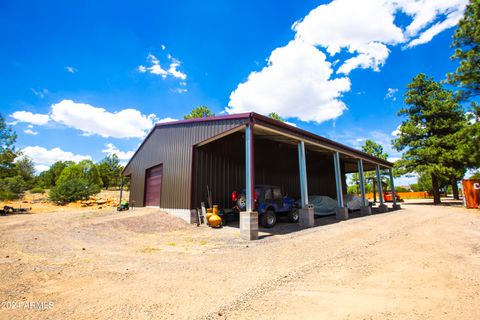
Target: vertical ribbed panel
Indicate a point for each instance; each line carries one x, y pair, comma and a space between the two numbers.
221, 165
172, 147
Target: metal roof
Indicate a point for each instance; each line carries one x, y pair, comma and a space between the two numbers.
275, 124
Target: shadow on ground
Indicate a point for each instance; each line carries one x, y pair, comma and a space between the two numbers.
284, 227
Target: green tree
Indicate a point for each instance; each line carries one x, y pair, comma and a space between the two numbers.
110, 171
476, 175
424, 183
275, 116
469, 139
25, 168
375, 149
75, 188
429, 136
12, 187
91, 172
7, 149
466, 42
77, 181
200, 112
48, 179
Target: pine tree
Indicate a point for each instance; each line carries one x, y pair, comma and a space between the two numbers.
200, 112
466, 42
7, 149
431, 132
110, 171
275, 116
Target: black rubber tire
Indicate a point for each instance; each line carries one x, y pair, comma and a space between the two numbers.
294, 215
268, 219
242, 202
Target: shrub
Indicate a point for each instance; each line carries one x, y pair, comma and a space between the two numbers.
72, 190
7, 195
37, 190
12, 187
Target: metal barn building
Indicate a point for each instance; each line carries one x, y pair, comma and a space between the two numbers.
178, 160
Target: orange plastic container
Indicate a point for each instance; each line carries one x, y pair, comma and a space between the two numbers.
471, 193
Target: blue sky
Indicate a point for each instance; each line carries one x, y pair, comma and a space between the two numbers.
81, 79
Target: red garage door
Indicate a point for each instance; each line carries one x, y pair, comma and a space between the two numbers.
153, 186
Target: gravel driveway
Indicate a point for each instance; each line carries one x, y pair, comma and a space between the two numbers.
422, 262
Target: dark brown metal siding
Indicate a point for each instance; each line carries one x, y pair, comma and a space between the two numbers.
172, 146
221, 166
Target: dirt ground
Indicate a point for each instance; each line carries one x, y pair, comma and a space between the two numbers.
39, 202
421, 262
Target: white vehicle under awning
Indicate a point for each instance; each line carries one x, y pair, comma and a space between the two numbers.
324, 205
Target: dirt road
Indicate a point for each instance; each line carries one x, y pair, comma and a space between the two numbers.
421, 262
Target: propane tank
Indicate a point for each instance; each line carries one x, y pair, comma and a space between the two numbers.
214, 219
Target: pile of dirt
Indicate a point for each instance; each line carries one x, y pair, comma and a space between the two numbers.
153, 222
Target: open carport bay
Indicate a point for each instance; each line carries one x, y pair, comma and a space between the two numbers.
220, 165
421, 262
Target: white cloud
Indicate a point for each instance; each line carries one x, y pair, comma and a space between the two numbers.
471, 117
173, 69
163, 46
364, 30
391, 94
179, 90
30, 131
430, 17
156, 69
40, 93
46, 157
122, 155
28, 117
40, 168
168, 119
393, 159
372, 55
426, 36
296, 83
396, 132
348, 24
71, 69
127, 123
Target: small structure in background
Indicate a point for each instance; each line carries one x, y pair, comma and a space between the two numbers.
471, 193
